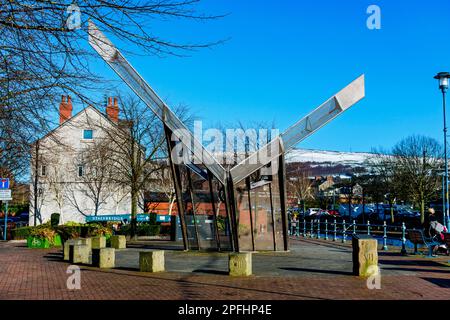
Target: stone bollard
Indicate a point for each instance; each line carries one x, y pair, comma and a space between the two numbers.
103, 258
79, 253
151, 261
67, 245
118, 242
98, 242
87, 242
240, 264
365, 255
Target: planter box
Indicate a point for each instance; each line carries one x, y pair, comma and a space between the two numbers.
37, 243
57, 242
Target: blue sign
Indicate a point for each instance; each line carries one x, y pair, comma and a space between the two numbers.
4, 183
117, 217
162, 218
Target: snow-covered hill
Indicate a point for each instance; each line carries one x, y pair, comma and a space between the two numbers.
332, 157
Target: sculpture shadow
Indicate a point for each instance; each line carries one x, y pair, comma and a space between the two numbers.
421, 263
417, 270
443, 283
333, 272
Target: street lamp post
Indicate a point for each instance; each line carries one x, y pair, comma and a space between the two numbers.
443, 78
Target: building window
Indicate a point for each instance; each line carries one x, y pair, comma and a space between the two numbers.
43, 170
88, 134
80, 171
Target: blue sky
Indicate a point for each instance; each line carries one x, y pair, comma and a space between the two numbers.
284, 58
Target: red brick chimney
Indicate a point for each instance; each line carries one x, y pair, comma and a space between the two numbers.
112, 110
65, 109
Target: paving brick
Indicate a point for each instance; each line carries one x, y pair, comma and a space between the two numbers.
313, 270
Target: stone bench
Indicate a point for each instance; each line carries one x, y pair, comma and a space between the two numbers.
240, 264
98, 242
79, 253
118, 242
104, 258
78, 241
151, 261
67, 245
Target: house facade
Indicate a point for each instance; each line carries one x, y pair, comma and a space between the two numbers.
71, 172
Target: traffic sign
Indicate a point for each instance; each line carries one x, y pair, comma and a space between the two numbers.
4, 183
5, 195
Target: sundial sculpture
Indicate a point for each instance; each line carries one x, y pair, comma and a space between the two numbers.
241, 208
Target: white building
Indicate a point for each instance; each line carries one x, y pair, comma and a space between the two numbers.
72, 173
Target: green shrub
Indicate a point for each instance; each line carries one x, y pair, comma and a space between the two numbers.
44, 231
152, 219
143, 229
124, 230
148, 230
96, 229
72, 230
54, 219
21, 233
165, 230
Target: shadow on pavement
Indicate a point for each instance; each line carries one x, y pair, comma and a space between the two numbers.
346, 273
126, 269
418, 270
443, 283
208, 271
422, 263
54, 256
156, 245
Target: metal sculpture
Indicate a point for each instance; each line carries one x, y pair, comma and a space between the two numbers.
245, 206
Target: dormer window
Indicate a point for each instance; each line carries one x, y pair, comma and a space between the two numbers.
88, 134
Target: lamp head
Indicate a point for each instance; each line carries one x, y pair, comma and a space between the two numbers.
443, 78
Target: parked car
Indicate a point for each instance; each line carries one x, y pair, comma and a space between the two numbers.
333, 213
312, 211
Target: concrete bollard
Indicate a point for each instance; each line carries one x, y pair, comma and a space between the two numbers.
79, 253
365, 256
98, 242
240, 264
67, 247
87, 242
118, 242
104, 258
151, 261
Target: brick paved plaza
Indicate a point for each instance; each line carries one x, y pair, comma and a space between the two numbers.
313, 269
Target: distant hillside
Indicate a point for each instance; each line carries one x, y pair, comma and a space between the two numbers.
322, 163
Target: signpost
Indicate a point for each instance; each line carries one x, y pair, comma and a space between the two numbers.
5, 196
4, 183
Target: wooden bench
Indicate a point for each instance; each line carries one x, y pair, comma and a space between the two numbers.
418, 237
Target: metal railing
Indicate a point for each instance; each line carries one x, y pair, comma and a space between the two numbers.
344, 230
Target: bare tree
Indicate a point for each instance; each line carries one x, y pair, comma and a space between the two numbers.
383, 184
43, 55
137, 147
300, 186
417, 161
162, 182
409, 172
